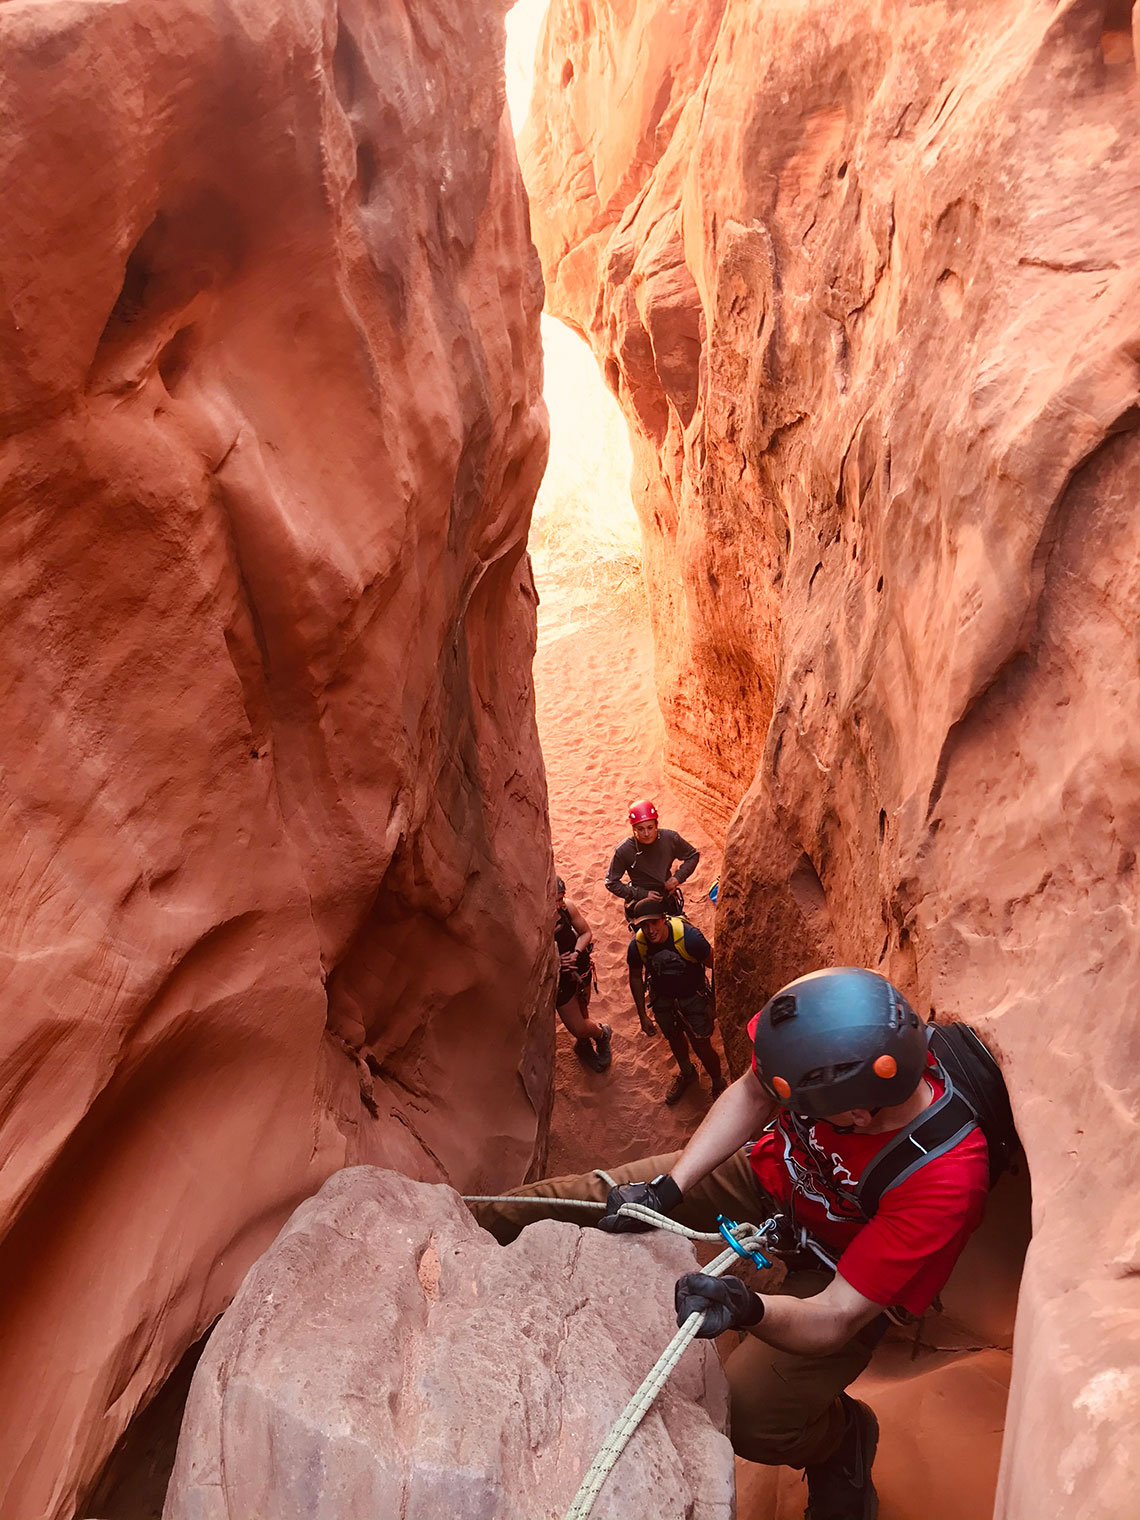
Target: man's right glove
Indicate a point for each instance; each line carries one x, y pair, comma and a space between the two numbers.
662, 1195
729, 1304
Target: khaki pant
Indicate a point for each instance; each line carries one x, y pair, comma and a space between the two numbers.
785, 1407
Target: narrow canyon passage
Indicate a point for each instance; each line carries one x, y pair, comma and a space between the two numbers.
601, 736
839, 566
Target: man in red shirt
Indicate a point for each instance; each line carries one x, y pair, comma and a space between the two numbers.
840, 1066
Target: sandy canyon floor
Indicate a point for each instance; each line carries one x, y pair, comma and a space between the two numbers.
602, 743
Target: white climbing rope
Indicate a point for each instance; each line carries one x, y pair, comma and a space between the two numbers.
631, 1210
639, 1405
562, 1203
749, 1237
670, 1226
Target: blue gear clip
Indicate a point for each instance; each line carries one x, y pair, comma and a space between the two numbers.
726, 1226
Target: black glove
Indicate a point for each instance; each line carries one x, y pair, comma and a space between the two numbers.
729, 1303
662, 1195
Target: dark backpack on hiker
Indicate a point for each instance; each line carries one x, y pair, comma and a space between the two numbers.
673, 972
975, 1096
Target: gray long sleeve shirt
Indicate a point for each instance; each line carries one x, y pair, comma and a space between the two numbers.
648, 865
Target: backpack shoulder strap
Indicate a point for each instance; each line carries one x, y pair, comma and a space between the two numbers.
678, 927
937, 1130
639, 941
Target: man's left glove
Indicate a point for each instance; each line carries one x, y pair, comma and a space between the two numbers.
662, 1195
729, 1304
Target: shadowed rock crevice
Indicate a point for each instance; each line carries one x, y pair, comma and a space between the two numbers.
133, 1484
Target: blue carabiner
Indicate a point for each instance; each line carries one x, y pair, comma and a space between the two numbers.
725, 1226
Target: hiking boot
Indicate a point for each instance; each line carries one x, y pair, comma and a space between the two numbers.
602, 1046
680, 1083
841, 1487
584, 1050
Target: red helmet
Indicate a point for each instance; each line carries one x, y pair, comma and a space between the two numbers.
642, 812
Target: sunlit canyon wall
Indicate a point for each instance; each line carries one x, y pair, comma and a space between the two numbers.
273, 807
865, 280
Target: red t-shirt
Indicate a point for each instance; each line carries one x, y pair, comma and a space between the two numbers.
905, 1253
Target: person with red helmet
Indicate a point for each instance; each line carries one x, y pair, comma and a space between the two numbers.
842, 1075
652, 862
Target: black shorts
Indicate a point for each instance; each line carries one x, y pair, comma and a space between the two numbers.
692, 1014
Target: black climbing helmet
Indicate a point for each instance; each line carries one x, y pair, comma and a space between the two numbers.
839, 1039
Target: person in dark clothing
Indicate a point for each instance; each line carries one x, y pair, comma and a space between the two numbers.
647, 858
670, 956
573, 938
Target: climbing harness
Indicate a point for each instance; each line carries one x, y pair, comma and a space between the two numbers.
743, 1240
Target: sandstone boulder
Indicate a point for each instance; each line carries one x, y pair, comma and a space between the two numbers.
866, 281
386, 1357
272, 815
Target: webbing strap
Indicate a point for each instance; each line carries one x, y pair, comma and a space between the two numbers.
936, 1131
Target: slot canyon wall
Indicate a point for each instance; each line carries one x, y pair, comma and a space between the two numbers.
270, 431
865, 280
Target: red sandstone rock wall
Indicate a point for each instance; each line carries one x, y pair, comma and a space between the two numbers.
271, 428
866, 282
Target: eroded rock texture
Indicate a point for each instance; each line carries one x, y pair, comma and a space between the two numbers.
865, 279
387, 1357
273, 806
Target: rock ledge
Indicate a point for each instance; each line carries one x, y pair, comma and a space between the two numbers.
386, 1357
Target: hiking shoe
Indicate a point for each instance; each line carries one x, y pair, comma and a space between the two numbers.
841, 1487
680, 1083
584, 1050
602, 1046
719, 1086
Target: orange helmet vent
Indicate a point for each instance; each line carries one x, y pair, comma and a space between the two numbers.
782, 1087
885, 1066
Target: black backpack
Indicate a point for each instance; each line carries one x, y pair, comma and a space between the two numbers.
975, 1095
